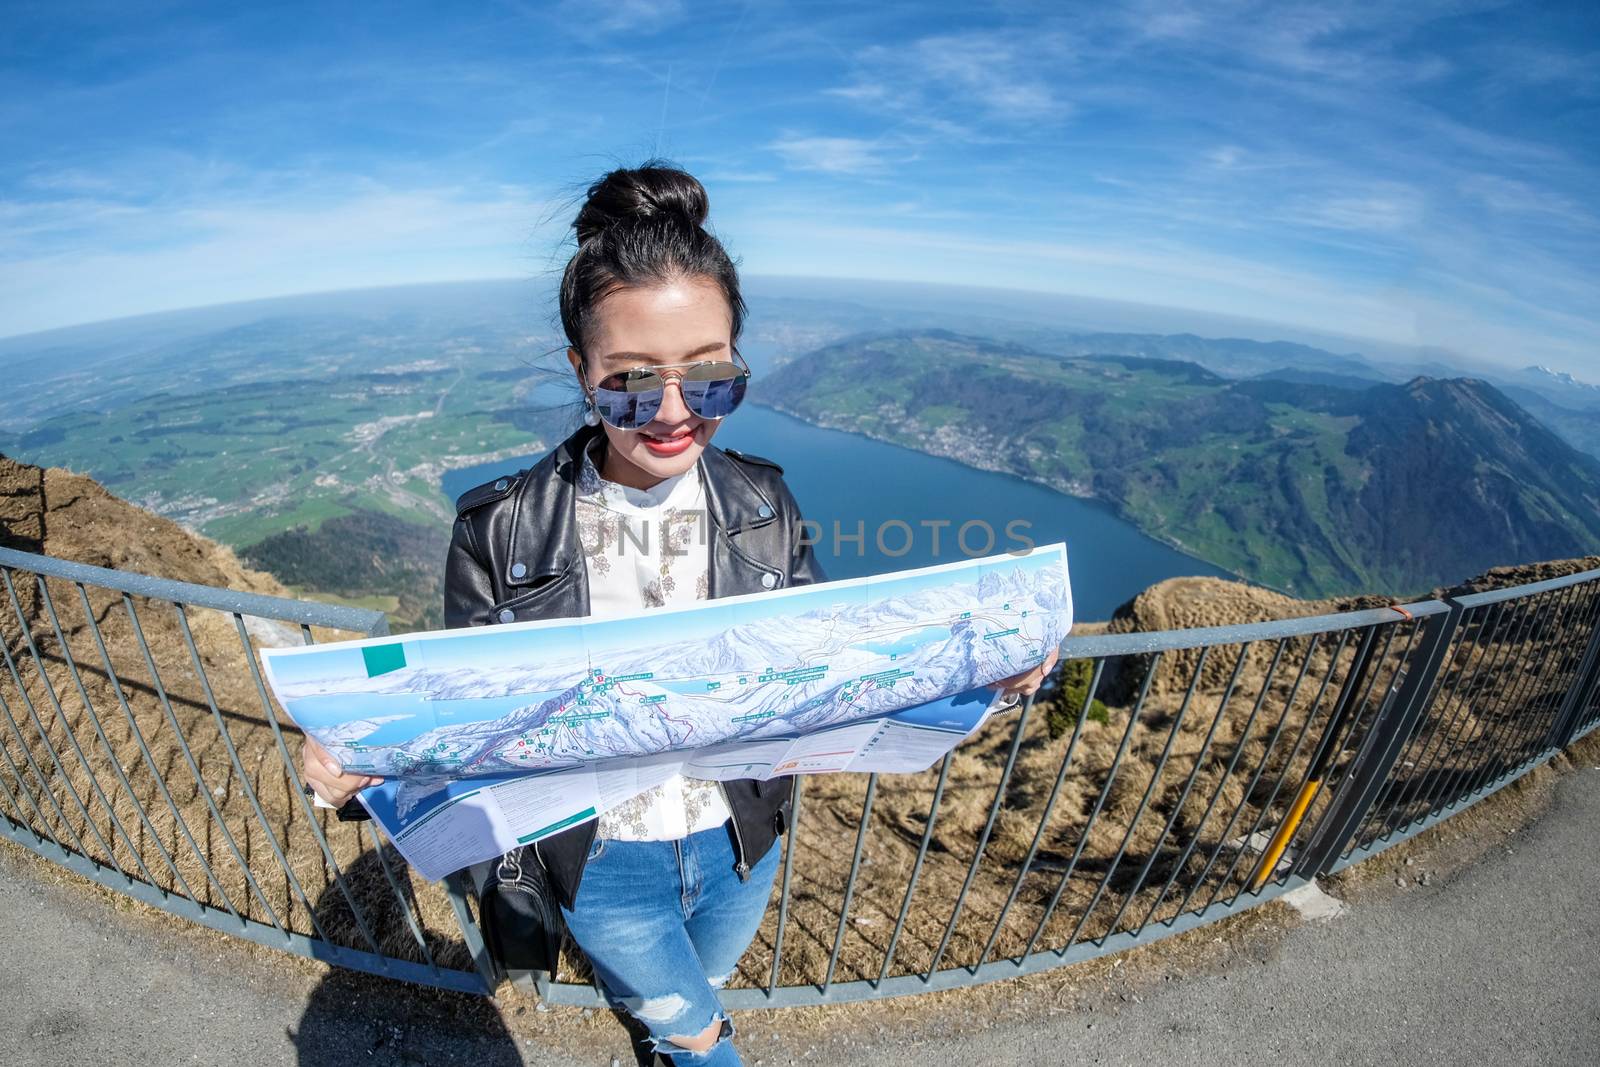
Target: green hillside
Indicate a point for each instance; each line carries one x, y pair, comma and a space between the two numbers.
332, 483
246, 461
1314, 489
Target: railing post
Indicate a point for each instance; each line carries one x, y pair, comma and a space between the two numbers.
459, 887
1576, 702
1391, 727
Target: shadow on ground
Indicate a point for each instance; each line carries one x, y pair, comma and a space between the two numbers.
351, 1017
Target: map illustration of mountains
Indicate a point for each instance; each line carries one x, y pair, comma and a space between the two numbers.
534, 696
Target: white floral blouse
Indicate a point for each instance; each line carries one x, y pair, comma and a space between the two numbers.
649, 548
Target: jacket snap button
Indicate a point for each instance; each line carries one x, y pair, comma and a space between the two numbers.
764, 511
519, 570
768, 581
507, 615
501, 486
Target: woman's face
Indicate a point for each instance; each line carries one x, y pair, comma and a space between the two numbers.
679, 322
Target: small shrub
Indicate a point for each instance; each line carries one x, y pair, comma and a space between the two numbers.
1066, 701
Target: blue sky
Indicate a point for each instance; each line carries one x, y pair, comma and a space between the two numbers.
1421, 173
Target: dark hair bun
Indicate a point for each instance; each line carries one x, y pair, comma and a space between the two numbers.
642, 225
633, 194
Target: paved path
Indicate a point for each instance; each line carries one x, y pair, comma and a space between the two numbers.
1499, 964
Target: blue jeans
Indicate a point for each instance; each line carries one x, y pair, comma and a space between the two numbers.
664, 924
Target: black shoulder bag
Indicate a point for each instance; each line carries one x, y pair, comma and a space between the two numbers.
517, 910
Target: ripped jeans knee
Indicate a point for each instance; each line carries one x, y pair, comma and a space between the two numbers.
672, 1022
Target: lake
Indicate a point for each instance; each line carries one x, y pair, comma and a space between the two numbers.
879, 489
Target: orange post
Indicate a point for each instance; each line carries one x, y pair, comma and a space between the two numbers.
1285, 834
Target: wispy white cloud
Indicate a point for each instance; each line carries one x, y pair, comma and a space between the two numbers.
1355, 41
1510, 196
1388, 207
960, 83
832, 155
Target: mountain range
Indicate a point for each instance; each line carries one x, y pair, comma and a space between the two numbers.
1315, 481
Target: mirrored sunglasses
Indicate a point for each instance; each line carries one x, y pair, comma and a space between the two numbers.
712, 389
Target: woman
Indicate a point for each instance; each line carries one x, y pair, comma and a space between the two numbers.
637, 510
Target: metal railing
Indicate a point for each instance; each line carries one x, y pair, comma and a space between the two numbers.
1168, 780
140, 749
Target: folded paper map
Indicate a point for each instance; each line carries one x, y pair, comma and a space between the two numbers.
555, 711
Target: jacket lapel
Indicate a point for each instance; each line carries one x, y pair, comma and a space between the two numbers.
736, 505
544, 548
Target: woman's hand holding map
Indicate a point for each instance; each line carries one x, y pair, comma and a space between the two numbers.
1028, 682
324, 774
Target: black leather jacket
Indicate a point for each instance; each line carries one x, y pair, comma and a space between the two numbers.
515, 556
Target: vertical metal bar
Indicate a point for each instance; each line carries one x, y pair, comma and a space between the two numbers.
111, 754
39, 778
400, 896
7, 752
1495, 739
1584, 682
1445, 715
983, 839
1553, 613
1111, 869
1155, 778
916, 867
1413, 744
296, 786
1133, 824
16, 772
1397, 678
783, 892
1221, 783
1361, 703
1049, 807
1382, 746
1227, 775
458, 889
1453, 748
1099, 805
1588, 710
249, 790
1249, 789
1533, 705
44, 736
203, 790
41, 829
850, 883
1474, 748
1575, 615
1571, 700
149, 761
21, 820
1312, 781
